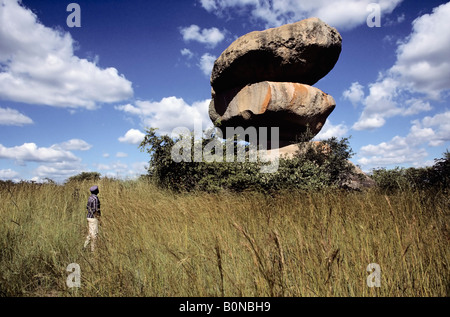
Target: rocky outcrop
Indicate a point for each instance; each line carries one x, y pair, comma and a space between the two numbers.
263, 79
301, 52
358, 180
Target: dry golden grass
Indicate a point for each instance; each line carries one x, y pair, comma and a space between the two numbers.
156, 243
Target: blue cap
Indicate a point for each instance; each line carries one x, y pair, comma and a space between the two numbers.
93, 188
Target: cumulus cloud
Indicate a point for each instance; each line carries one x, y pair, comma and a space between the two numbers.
329, 130
187, 52
169, 113
117, 167
38, 65
415, 106
423, 62
122, 170
8, 174
436, 129
58, 171
429, 131
206, 63
30, 152
354, 94
395, 152
75, 145
57, 162
343, 14
10, 116
379, 105
369, 123
132, 136
388, 98
211, 37
420, 73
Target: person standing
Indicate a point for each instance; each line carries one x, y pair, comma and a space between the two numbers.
93, 216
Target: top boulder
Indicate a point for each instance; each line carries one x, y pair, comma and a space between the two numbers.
301, 52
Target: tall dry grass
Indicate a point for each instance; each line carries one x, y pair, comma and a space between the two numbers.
157, 243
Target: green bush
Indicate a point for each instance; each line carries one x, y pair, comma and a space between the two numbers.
84, 176
424, 178
310, 169
390, 180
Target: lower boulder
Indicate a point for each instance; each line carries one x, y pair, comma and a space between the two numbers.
292, 107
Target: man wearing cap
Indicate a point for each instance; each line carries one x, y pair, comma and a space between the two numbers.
93, 215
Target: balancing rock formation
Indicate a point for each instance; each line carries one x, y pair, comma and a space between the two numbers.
264, 78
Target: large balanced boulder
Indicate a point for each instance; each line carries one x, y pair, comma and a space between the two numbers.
301, 52
292, 107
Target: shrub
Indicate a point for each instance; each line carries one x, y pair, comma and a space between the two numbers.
332, 156
440, 172
424, 178
391, 180
311, 168
84, 176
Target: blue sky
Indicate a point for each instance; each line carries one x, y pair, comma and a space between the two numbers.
78, 99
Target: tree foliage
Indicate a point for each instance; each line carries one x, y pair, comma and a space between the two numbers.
432, 177
311, 168
84, 176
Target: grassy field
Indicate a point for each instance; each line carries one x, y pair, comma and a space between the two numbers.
157, 243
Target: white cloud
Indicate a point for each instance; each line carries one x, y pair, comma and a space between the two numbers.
38, 65
10, 116
430, 131
8, 174
30, 152
343, 14
57, 162
387, 98
329, 130
75, 145
132, 136
435, 128
122, 154
117, 167
354, 94
423, 62
122, 170
57, 171
395, 20
379, 104
211, 37
102, 167
206, 63
395, 152
169, 113
140, 168
209, 5
187, 52
415, 106
422, 68
369, 123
